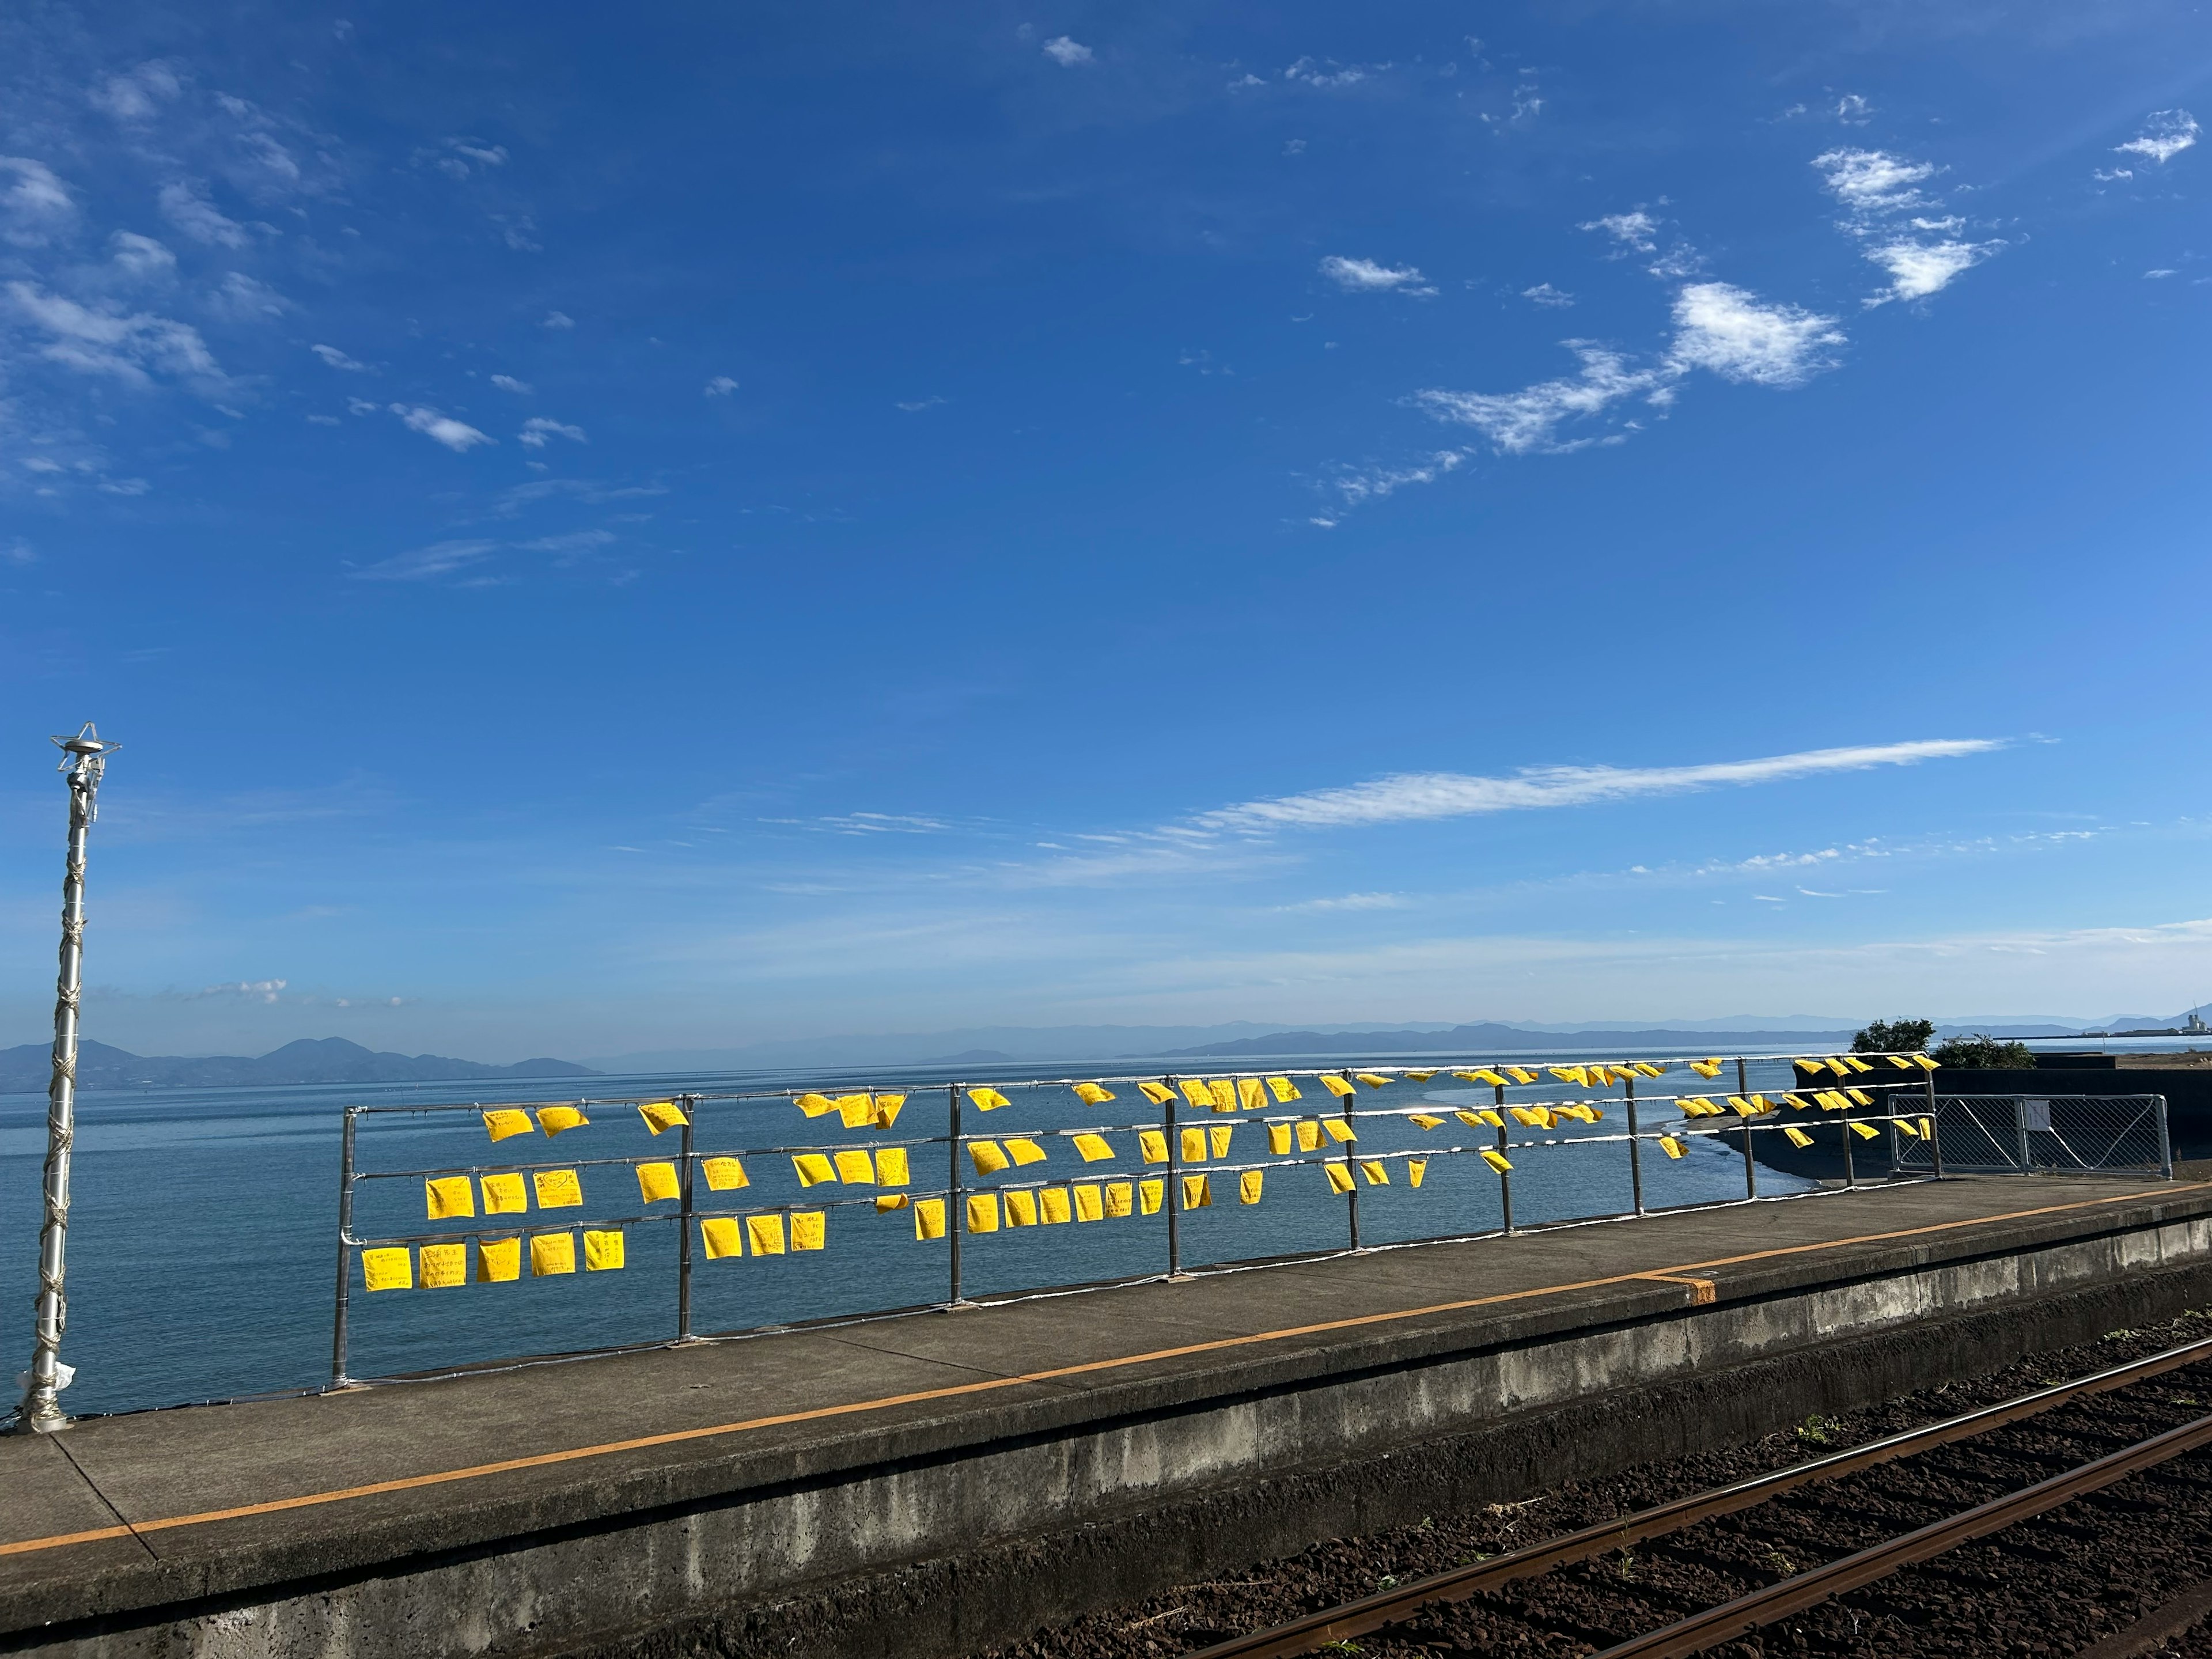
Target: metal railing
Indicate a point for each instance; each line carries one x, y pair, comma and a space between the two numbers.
2042, 1134
993, 1178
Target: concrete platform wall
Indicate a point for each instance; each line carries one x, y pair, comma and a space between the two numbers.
948, 1555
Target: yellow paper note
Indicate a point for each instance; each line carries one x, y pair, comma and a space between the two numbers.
1149, 1195
1251, 1093
1025, 1151
1248, 1186
1373, 1079
1089, 1204
1225, 1095
1338, 1131
1339, 1178
557, 1189
988, 1100
502, 1125
1092, 1094
988, 1157
887, 1107
1284, 1090
1416, 1168
1153, 1143
1865, 1131
1496, 1160
552, 1253
444, 1266
503, 1195
890, 1166
1336, 1085
1193, 1145
857, 1111
765, 1234
813, 1168
1797, 1136
660, 1114
498, 1260
603, 1251
1053, 1204
724, 1173
1158, 1093
553, 1120
448, 1196
813, 1105
722, 1236
1671, 1146
1197, 1193
1217, 1135
1095, 1149
1426, 1119
1021, 1208
1420, 1077
928, 1218
1278, 1140
1309, 1136
389, 1268
887, 1202
1377, 1175
856, 1169
1119, 1195
807, 1230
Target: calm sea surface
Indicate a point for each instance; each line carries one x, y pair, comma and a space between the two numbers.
202, 1239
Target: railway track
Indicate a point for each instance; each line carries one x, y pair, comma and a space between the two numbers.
1760, 1525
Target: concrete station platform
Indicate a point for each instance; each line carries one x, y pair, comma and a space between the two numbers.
938, 1482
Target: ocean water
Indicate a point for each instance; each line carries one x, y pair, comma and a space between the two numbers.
202, 1252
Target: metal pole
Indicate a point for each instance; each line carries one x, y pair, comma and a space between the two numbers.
1350, 1192
956, 1222
1505, 1181
684, 1230
2019, 1129
1750, 1169
2165, 1144
84, 758
1935, 1129
1169, 1197
339, 1378
1851, 1164
1635, 1151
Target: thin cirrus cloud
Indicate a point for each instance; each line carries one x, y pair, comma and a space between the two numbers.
1412, 796
1368, 276
537, 431
1718, 327
2165, 134
1886, 207
1067, 53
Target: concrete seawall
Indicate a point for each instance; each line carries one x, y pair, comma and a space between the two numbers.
934, 1484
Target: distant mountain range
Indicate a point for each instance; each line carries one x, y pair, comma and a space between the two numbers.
329, 1060
1487, 1037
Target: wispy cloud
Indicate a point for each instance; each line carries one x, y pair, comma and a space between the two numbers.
184, 206
1367, 277
1545, 295
558, 319
457, 435
2165, 134
1409, 797
1636, 232
1527, 420
537, 429
720, 386
35, 207
1351, 901
1067, 53
1876, 188
1313, 73
427, 563
338, 359
508, 382
1726, 330
130, 346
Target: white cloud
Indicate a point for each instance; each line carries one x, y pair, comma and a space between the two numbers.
918, 405
457, 435
508, 382
1919, 268
1868, 181
1352, 901
18, 551
558, 319
241, 299
1636, 232
141, 256
34, 205
1366, 276
1358, 487
426, 563
183, 206
1853, 109
338, 359
2162, 271
1067, 53
136, 94
537, 431
2165, 135
1527, 420
720, 386
1410, 796
131, 347
1350, 75
1723, 329
1545, 295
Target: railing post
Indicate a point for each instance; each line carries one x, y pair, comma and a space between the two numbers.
1935, 1128
1170, 1195
2165, 1144
1504, 1180
684, 1228
2019, 1129
1850, 1157
1635, 1151
339, 1378
955, 1220
1351, 1147
1750, 1169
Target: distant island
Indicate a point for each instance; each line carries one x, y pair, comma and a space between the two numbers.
25, 1070
1486, 1037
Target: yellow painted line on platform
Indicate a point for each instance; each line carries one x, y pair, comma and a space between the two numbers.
1686, 1272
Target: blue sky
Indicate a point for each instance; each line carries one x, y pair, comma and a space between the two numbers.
600, 530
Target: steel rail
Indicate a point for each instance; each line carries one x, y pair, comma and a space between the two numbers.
1391, 1607
1779, 1601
